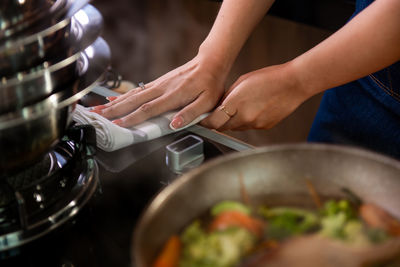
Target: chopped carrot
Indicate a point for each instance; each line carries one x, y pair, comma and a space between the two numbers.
376, 217
313, 192
243, 191
235, 218
169, 256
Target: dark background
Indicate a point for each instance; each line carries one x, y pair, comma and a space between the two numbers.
327, 14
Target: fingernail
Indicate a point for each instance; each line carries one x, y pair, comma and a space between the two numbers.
177, 122
111, 98
117, 122
99, 107
98, 111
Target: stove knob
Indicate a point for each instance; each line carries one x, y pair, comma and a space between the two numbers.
185, 153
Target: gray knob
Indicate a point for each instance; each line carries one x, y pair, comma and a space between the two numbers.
185, 153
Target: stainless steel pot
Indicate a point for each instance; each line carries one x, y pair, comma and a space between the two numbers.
16, 15
69, 35
49, 78
26, 89
28, 133
271, 175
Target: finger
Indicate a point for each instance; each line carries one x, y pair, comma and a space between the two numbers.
113, 100
117, 99
146, 111
128, 94
199, 106
233, 124
129, 104
234, 85
220, 116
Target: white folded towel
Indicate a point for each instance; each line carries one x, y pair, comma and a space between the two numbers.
111, 137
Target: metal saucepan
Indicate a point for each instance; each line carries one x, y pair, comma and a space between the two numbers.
49, 78
16, 15
272, 175
59, 41
28, 133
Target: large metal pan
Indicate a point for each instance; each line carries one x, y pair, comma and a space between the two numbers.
16, 15
59, 41
272, 175
50, 76
28, 133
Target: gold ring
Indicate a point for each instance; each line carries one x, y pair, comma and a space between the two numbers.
141, 84
223, 108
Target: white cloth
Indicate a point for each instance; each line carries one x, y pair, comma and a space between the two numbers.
111, 137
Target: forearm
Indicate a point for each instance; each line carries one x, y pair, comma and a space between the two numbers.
234, 23
368, 43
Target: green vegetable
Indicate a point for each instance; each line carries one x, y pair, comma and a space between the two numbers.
340, 221
332, 208
229, 206
333, 226
193, 233
354, 233
335, 216
217, 249
225, 248
284, 222
376, 235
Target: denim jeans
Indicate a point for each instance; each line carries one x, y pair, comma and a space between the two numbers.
364, 113
352, 115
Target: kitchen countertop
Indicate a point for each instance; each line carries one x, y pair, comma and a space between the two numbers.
101, 233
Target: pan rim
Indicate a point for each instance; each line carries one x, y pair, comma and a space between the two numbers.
159, 200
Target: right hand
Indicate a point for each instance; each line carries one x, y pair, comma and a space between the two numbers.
196, 87
259, 99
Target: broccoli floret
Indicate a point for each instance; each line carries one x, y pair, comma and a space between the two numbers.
217, 249
332, 208
285, 222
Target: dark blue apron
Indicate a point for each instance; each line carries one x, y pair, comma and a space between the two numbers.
363, 113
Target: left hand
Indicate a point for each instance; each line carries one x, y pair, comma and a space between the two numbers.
259, 99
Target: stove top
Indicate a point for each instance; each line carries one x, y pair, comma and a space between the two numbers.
39, 198
101, 233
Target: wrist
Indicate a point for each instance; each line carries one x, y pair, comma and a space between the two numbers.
216, 60
300, 79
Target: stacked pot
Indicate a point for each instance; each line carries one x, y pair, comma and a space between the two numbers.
50, 56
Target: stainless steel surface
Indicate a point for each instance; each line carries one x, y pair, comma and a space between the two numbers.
87, 24
63, 39
271, 175
26, 89
220, 138
31, 131
185, 153
53, 218
51, 76
92, 66
57, 12
17, 15
102, 91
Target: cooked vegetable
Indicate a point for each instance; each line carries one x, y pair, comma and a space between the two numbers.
284, 222
169, 256
376, 217
333, 208
229, 219
340, 221
237, 236
229, 206
335, 215
217, 249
